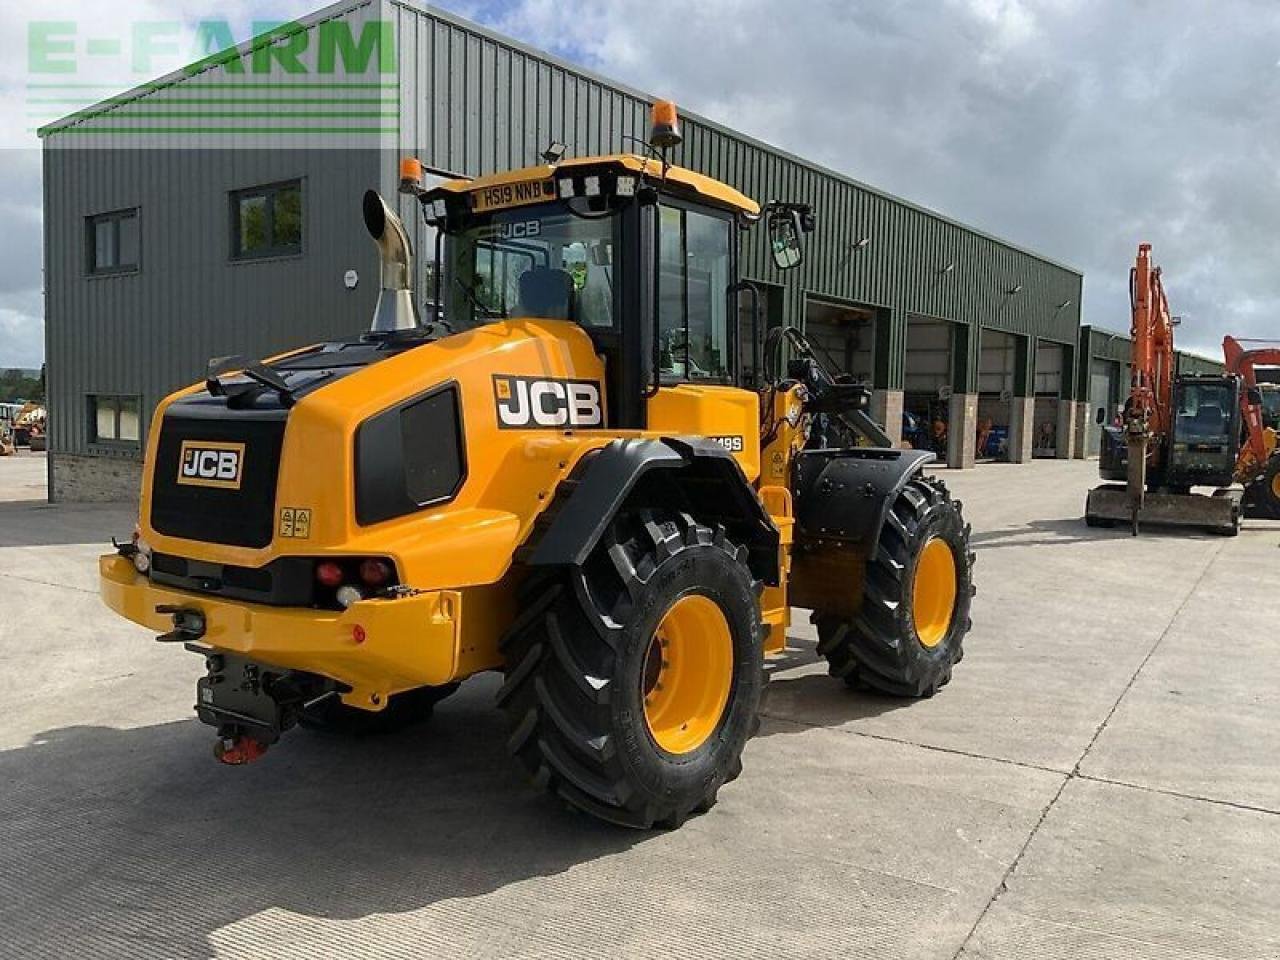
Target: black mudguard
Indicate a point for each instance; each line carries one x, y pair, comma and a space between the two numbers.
845, 495
716, 489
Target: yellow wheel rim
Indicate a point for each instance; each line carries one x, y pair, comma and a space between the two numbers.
1275, 486
688, 671
933, 598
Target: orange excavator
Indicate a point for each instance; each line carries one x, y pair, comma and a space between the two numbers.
1176, 431
1258, 463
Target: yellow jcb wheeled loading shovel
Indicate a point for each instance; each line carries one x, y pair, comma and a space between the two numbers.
562, 475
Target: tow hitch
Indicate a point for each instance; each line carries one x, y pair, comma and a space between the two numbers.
251, 704
188, 624
238, 750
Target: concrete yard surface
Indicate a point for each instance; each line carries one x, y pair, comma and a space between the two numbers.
1100, 779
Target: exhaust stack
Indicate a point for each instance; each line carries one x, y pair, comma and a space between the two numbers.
396, 309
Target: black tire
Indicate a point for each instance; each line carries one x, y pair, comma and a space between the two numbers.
1262, 496
576, 670
1101, 522
403, 710
879, 647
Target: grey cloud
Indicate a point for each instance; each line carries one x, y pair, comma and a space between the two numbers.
21, 259
21, 239
21, 330
1076, 128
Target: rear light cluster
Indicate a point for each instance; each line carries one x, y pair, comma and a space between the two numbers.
349, 579
141, 552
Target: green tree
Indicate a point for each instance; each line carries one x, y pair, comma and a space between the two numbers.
15, 385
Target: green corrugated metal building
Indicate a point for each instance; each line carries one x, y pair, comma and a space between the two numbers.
150, 270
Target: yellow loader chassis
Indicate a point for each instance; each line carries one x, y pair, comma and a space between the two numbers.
402, 643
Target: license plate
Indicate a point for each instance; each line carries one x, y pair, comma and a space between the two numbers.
512, 195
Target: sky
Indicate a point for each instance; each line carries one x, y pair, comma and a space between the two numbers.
1075, 128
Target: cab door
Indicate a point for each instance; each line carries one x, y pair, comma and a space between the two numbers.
697, 346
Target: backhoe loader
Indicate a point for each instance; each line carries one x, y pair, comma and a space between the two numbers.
555, 468
1257, 466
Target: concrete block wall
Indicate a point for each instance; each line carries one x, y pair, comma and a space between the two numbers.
962, 431
886, 410
77, 479
1080, 418
1021, 428
1070, 441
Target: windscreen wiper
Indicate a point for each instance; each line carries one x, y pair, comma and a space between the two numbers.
475, 301
259, 376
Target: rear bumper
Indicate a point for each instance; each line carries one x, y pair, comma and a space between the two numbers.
409, 642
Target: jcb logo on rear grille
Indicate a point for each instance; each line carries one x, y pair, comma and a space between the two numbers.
206, 463
526, 403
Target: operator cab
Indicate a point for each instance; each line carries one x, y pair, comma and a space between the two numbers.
1206, 436
641, 254
1206, 431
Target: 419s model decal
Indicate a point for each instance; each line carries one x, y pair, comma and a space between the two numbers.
731, 442
543, 403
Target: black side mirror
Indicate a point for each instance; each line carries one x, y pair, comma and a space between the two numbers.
1255, 396
1101, 418
785, 238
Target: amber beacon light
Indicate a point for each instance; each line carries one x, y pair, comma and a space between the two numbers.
410, 175
665, 129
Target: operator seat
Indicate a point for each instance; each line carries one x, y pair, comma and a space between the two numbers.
545, 292
1208, 420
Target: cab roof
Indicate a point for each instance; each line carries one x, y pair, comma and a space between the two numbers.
705, 187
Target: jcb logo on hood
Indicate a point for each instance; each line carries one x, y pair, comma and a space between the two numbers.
526, 403
205, 463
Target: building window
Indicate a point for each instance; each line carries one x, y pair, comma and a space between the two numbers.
267, 221
115, 420
114, 242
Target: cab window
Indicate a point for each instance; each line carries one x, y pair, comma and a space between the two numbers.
1204, 413
548, 261
693, 304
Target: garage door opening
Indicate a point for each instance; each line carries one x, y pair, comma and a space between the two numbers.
842, 335
1048, 391
1106, 378
927, 384
995, 394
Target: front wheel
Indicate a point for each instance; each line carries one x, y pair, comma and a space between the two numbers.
632, 684
909, 631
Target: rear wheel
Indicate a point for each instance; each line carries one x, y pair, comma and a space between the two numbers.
632, 683
402, 710
910, 629
1262, 497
